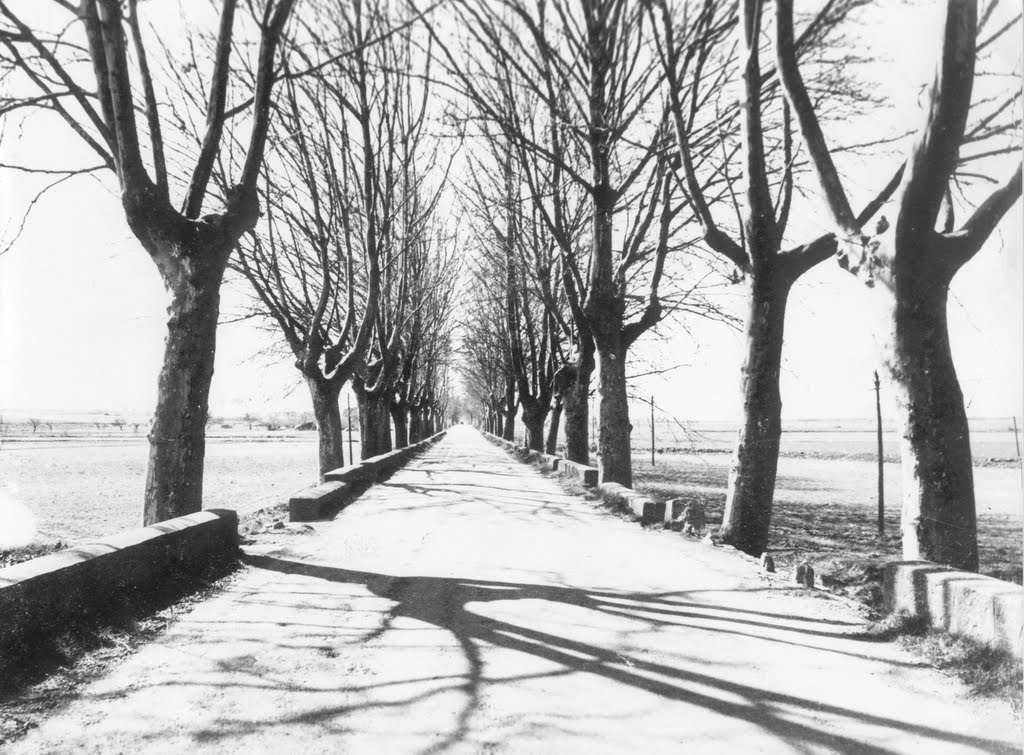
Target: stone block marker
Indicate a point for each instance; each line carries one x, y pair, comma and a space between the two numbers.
47, 595
804, 575
586, 475
550, 461
310, 504
643, 508
984, 609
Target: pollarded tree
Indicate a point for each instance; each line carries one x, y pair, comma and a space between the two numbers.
909, 265
425, 341
484, 362
607, 92
348, 137
515, 248
699, 63
91, 68
416, 264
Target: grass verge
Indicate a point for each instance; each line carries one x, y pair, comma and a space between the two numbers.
987, 672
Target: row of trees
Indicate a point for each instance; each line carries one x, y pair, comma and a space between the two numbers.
630, 145
307, 129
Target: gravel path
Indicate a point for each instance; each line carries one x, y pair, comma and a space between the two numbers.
469, 605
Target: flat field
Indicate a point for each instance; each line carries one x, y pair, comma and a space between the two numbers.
826, 509
84, 488
81, 481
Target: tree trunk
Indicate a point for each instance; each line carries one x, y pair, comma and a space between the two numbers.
573, 386
374, 424
939, 518
508, 431
415, 425
330, 430
748, 505
551, 443
615, 464
400, 419
177, 438
533, 421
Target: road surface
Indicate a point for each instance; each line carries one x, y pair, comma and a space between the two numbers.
469, 605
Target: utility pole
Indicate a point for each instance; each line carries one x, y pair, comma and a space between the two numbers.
593, 423
348, 410
1016, 442
652, 431
881, 472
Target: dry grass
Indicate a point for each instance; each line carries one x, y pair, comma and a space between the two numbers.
987, 672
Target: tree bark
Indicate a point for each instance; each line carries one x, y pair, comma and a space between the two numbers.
551, 442
533, 420
572, 383
508, 431
416, 424
374, 424
400, 420
748, 505
177, 438
938, 513
330, 430
616, 463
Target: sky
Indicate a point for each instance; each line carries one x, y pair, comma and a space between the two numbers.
82, 312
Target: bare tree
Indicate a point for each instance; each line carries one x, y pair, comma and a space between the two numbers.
700, 62
607, 91
34, 422
426, 346
909, 264
190, 249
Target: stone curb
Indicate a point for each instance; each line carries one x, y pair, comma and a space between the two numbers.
47, 595
647, 510
984, 609
319, 501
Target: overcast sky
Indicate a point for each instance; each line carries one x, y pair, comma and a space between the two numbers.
82, 309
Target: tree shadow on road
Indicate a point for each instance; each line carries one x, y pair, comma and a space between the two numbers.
444, 603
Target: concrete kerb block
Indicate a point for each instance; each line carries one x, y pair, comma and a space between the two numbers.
984, 609
550, 461
372, 469
49, 594
643, 508
315, 502
353, 473
586, 475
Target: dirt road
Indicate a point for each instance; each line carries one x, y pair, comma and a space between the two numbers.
468, 605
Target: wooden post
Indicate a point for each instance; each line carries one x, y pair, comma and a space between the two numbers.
881, 459
593, 425
348, 410
652, 431
1016, 440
